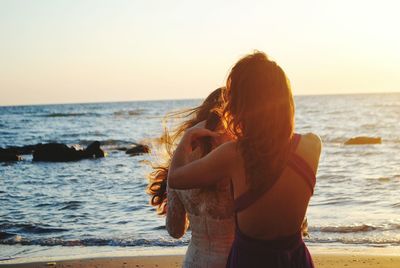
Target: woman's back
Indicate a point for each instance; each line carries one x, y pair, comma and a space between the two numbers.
268, 231
284, 204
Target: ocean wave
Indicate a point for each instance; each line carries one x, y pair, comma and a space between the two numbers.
40, 205
134, 112
361, 228
6, 235
87, 133
336, 201
30, 228
9, 238
69, 114
370, 241
387, 105
368, 126
341, 140
161, 227
108, 142
71, 205
344, 229
19, 240
13, 239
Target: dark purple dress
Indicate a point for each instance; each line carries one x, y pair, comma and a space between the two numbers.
283, 252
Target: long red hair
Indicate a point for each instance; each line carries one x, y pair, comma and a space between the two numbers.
259, 110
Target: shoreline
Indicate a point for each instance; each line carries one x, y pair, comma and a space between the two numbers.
325, 257
174, 261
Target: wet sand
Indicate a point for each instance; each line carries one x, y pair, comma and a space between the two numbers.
321, 260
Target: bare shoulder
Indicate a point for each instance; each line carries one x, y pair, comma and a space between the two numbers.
226, 154
312, 141
230, 149
230, 146
310, 149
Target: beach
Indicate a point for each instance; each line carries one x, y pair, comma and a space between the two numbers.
324, 257
170, 261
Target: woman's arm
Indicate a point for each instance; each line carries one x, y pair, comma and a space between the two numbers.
206, 171
175, 222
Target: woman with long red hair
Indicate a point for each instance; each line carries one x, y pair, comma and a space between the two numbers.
271, 168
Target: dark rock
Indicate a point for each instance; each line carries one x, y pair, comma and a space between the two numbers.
8, 155
363, 140
138, 149
58, 152
5, 235
94, 150
27, 149
122, 148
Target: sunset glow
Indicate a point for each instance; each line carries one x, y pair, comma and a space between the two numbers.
89, 51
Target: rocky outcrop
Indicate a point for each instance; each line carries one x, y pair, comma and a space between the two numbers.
138, 149
58, 152
7, 155
363, 140
21, 150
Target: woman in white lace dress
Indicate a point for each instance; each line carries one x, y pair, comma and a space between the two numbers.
210, 210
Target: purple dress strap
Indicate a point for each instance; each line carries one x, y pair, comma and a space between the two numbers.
248, 198
302, 168
295, 141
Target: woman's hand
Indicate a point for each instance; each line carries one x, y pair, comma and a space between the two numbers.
206, 171
193, 134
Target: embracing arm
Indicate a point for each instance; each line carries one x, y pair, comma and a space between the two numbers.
205, 171
175, 221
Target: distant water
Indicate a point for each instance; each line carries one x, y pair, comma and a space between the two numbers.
103, 202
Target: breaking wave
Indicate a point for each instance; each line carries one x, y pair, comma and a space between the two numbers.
69, 114
13, 239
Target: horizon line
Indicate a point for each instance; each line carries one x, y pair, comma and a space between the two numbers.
183, 99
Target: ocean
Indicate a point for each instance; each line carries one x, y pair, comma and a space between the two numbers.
96, 203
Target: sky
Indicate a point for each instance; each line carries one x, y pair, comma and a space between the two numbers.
54, 51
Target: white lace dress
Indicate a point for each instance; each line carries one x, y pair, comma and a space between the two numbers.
211, 217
